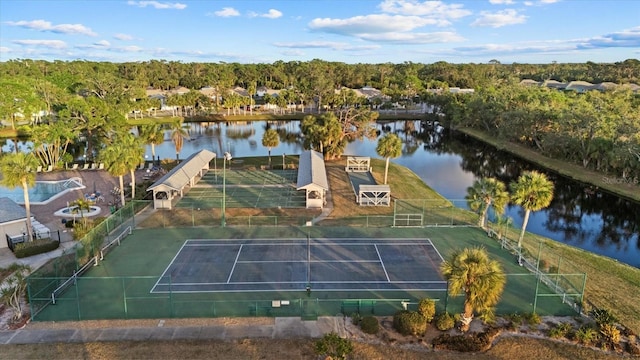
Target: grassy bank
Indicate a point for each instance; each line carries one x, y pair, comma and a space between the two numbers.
628, 190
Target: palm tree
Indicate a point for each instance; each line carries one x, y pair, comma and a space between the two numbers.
178, 134
152, 134
18, 170
270, 139
80, 206
481, 279
533, 191
389, 146
486, 193
119, 159
134, 155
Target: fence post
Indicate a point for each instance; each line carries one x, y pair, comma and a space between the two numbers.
535, 296
584, 285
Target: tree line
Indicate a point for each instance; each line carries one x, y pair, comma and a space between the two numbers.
599, 130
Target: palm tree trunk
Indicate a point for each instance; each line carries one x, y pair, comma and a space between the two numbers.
524, 227
386, 171
27, 207
133, 184
121, 178
467, 315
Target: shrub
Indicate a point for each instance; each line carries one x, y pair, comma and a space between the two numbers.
610, 333
445, 322
560, 330
465, 343
334, 346
35, 247
356, 318
369, 325
586, 335
603, 316
533, 319
409, 323
516, 319
427, 308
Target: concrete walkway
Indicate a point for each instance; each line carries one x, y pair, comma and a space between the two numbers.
279, 328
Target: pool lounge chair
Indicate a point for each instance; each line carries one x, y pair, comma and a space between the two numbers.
141, 167
94, 166
74, 167
85, 167
101, 166
49, 168
39, 169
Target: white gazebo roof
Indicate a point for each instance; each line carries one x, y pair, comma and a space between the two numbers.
182, 174
311, 171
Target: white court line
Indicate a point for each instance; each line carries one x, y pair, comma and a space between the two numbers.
234, 264
438, 252
382, 263
169, 266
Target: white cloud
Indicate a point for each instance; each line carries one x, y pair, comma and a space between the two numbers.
157, 5
132, 48
414, 38
123, 37
4, 50
333, 45
52, 44
271, 14
227, 12
370, 24
43, 25
499, 19
501, 2
433, 9
102, 43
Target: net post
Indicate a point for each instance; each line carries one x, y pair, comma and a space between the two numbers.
95, 259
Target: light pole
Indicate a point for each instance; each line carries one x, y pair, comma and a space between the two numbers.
227, 157
283, 155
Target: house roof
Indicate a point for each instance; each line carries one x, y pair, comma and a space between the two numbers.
182, 174
311, 171
11, 211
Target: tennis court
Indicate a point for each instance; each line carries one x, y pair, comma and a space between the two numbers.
245, 189
264, 271
291, 265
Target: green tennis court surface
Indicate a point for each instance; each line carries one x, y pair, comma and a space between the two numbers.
263, 271
245, 189
292, 265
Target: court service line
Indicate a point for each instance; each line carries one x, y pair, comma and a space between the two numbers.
234, 264
382, 263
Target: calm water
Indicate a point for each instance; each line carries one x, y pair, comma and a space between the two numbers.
579, 215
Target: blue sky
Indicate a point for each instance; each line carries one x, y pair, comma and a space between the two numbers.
350, 31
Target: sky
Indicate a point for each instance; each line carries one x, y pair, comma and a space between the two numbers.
349, 31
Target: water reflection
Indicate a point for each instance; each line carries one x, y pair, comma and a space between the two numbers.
579, 215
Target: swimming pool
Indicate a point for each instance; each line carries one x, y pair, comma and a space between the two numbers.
44, 191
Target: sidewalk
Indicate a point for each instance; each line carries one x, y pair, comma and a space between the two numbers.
279, 328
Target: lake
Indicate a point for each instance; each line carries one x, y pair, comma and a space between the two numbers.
580, 215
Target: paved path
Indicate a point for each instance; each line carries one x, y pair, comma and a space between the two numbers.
280, 328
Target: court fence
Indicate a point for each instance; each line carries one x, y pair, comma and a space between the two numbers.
64, 270
405, 213
561, 278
